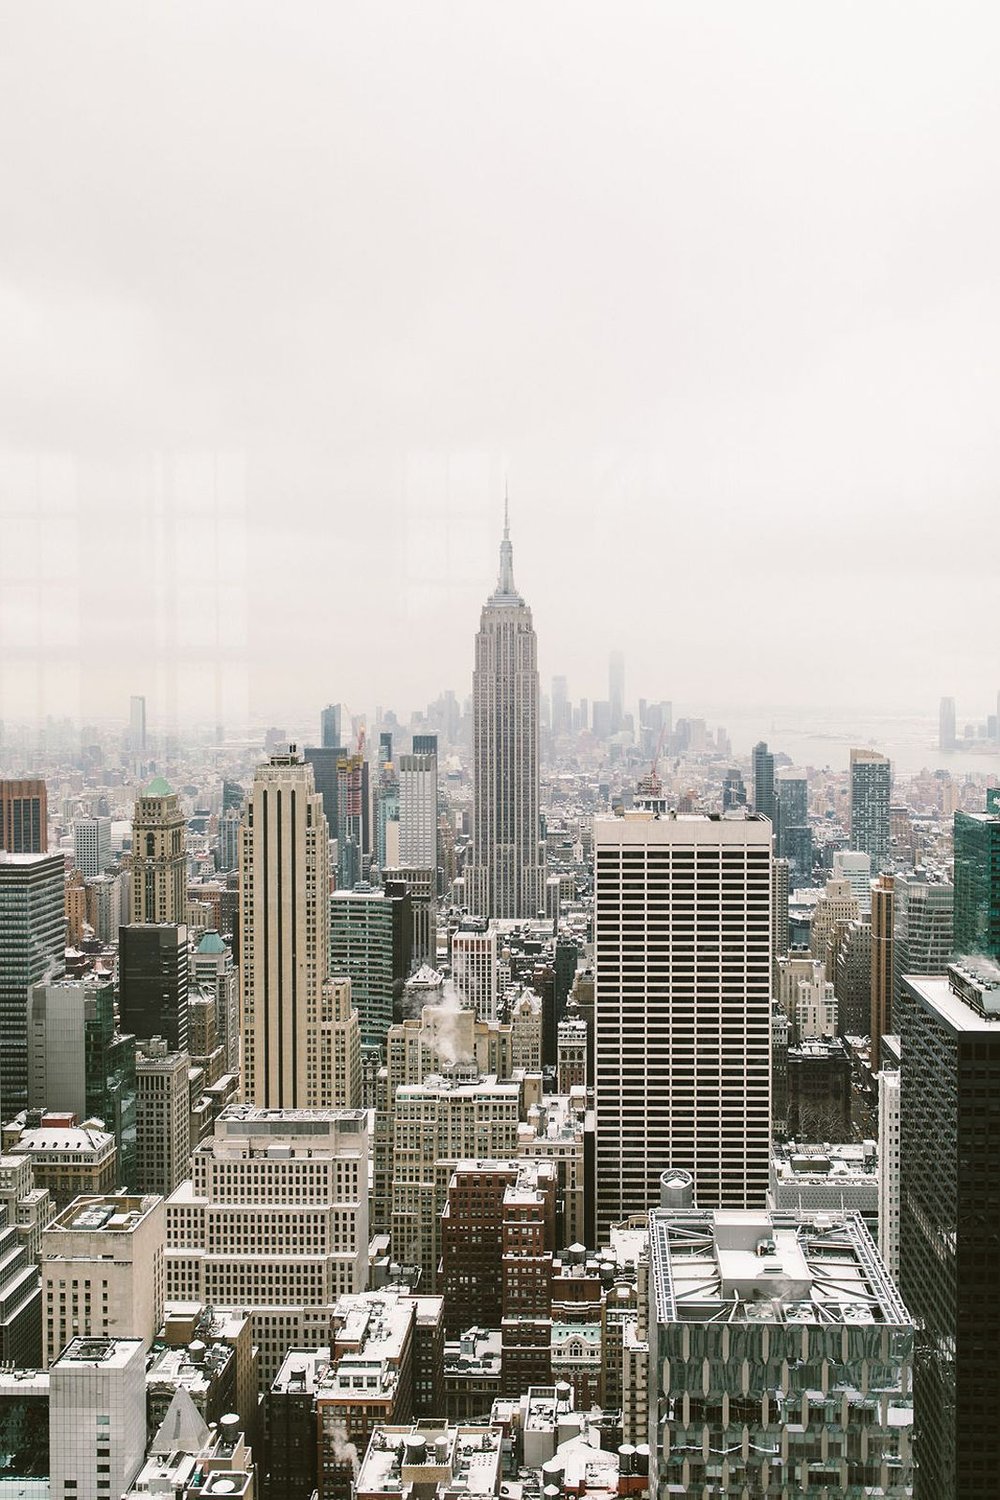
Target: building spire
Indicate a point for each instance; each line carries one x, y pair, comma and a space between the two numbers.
505, 583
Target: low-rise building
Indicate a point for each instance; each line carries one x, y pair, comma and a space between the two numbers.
432, 1460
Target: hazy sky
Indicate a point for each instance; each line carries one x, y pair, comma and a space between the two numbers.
286, 289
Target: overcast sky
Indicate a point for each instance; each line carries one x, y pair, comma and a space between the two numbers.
287, 289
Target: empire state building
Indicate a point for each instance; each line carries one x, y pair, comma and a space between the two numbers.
507, 877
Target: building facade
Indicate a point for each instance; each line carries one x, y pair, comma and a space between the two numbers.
871, 788
32, 951
682, 1007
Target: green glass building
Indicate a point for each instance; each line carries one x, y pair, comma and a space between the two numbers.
977, 883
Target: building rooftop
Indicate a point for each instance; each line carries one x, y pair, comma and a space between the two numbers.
116, 1213
110, 1354
78, 1139
426, 1456
748, 1266
966, 999
159, 787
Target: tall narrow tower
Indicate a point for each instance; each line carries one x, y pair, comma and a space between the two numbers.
159, 859
507, 876
285, 935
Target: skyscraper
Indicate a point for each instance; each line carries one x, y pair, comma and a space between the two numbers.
323, 760
32, 951
791, 817
137, 724
616, 690
763, 781
153, 982
24, 817
418, 811
371, 935
871, 786
950, 1192
946, 725
977, 883
284, 932
682, 970
506, 878
91, 845
329, 727
159, 858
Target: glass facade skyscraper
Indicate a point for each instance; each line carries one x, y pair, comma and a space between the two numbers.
32, 951
977, 883
871, 788
949, 1217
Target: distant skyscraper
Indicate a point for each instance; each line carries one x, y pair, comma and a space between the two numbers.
418, 811
24, 817
871, 787
950, 1171
353, 819
137, 724
977, 883
159, 858
763, 781
562, 713
616, 690
285, 934
32, 951
506, 878
946, 734
682, 969
91, 845
323, 760
794, 834
329, 727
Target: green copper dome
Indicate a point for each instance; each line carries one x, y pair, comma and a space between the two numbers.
159, 788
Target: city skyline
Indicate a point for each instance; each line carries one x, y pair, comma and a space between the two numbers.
686, 324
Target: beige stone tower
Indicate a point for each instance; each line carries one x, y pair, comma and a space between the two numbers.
159, 861
284, 938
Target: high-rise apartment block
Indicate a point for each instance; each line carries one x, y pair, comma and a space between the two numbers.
418, 811
950, 1201
506, 875
153, 981
163, 1118
474, 967
32, 951
284, 933
871, 788
977, 883
24, 817
274, 1219
159, 859
780, 1357
102, 1270
91, 845
682, 967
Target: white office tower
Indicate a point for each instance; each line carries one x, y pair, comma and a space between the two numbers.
507, 875
274, 1219
285, 935
888, 1155
856, 868
682, 946
91, 846
474, 968
417, 812
97, 1418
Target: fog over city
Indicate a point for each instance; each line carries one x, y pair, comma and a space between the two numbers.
288, 293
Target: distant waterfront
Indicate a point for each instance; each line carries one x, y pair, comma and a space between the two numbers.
824, 739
